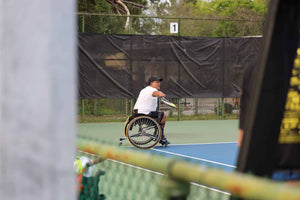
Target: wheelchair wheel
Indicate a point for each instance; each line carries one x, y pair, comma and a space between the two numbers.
126, 124
143, 132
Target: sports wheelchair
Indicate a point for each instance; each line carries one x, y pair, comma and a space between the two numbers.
143, 131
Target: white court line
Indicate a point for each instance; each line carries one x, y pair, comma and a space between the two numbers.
202, 143
181, 155
158, 173
213, 189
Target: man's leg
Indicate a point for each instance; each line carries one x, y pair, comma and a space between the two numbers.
162, 124
163, 120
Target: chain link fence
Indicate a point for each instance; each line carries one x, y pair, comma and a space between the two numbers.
112, 110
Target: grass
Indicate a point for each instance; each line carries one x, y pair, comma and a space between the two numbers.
122, 118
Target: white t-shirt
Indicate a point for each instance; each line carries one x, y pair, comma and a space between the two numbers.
146, 102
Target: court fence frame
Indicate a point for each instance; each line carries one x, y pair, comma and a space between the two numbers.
218, 107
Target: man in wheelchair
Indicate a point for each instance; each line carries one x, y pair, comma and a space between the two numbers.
146, 104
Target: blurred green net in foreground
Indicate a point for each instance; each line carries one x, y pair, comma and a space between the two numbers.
133, 175
127, 182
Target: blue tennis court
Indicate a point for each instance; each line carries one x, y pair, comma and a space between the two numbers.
222, 155
209, 142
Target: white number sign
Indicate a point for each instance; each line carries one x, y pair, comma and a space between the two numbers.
173, 27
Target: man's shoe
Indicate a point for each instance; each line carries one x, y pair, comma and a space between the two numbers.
164, 142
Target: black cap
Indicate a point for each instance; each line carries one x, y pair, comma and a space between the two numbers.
154, 78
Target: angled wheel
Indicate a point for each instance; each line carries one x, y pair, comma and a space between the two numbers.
126, 124
143, 132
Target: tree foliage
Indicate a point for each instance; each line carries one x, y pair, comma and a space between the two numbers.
246, 17
227, 18
214, 18
104, 23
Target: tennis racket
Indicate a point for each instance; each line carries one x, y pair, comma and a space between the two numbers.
166, 101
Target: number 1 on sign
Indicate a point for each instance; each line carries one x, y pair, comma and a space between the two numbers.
173, 27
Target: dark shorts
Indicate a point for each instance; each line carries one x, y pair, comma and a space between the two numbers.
157, 115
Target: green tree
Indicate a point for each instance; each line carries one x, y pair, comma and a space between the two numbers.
242, 17
105, 23
230, 18
215, 18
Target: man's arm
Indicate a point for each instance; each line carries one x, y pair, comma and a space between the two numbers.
240, 137
158, 94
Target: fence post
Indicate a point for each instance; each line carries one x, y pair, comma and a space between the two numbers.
131, 105
121, 106
95, 106
83, 24
218, 107
196, 106
130, 25
82, 110
126, 106
222, 108
179, 108
179, 27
